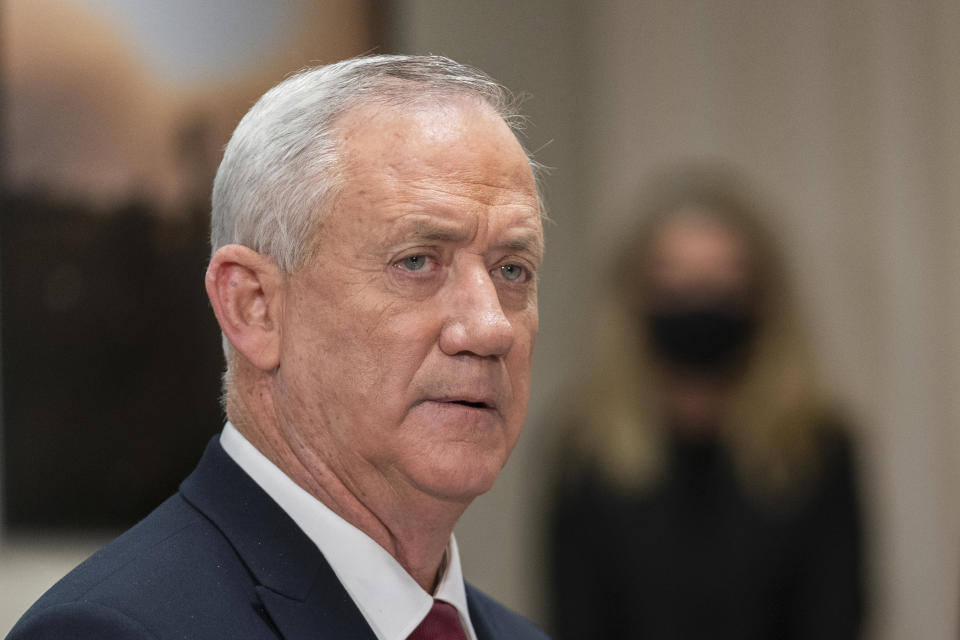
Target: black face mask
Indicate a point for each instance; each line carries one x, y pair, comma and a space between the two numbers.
701, 340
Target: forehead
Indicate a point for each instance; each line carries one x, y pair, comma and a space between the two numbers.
455, 138
432, 165
695, 249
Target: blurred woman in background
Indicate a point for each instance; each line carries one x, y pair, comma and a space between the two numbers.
707, 488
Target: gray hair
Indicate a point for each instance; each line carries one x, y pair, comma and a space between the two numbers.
279, 169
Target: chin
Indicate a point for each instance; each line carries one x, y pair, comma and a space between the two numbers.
460, 478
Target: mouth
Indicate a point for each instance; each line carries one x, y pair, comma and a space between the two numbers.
471, 403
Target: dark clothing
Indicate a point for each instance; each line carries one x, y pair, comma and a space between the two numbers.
694, 558
218, 560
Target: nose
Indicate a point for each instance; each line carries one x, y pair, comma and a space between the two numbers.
475, 321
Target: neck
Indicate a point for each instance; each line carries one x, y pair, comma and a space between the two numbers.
412, 526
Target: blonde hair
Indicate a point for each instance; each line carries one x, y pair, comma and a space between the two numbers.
777, 406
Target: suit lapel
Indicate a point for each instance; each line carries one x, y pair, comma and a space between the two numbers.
295, 584
326, 613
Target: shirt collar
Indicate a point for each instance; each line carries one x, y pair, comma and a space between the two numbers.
390, 600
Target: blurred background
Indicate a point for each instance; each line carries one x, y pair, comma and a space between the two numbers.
844, 116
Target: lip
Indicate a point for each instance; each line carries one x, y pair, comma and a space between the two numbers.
467, 401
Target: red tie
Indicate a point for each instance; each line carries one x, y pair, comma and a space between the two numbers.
442, 623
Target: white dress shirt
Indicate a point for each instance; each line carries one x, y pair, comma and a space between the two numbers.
390, 600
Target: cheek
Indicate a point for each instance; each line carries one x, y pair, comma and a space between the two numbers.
328, 361
379, 356
519, 365
409, 334
526, 326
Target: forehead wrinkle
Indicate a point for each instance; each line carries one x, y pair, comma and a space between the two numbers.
487, 193
434, 231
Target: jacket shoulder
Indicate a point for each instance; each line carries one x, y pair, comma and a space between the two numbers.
78, 619
172, 573
493, 621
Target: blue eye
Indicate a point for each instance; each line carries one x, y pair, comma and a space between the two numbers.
414, 263
512, 272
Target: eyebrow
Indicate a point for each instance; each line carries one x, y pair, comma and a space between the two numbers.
429, 231
424, 230
529, 243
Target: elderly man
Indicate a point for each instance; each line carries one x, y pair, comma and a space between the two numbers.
377, 234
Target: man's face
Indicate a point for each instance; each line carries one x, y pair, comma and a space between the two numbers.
407, 339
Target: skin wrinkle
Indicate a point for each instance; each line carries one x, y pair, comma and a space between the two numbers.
368, 349
426, 232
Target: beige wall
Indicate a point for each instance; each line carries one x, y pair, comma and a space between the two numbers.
847, 116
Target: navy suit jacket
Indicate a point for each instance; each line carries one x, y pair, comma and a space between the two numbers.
220, 559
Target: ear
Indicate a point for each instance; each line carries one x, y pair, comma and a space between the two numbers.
245, 291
